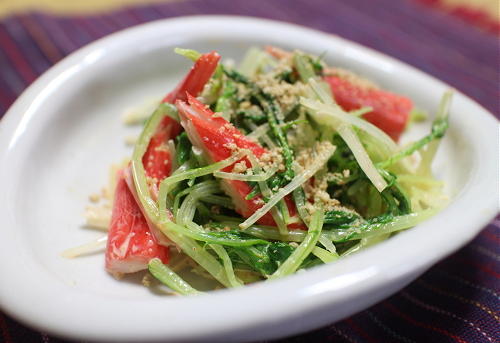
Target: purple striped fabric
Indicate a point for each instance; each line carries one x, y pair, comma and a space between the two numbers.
455, 301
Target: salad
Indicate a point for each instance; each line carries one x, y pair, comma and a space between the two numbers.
258, 171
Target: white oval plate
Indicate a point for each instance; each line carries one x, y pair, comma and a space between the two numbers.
59, 138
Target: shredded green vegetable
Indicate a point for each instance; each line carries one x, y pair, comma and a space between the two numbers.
169, 278
304, 249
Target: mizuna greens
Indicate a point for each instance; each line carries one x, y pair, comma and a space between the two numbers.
255, 172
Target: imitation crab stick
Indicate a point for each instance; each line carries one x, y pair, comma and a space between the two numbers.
131, 242
219, 139
195, 80
157, 158
390, 112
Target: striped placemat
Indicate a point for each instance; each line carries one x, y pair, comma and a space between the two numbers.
455, 301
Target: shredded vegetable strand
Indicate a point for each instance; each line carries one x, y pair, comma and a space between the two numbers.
137, 168
300, 203
196, 252
335, 111
422, 181
244, 177
87, 248
364, 161
258, 131
223, 255
167, 184
365, 243
252, 61
198, 190
271, 233
228, 265
304, 68
360, 111
193, 55
396, 224
296, 182
218, 200
188, 207
262, 135
428, 154
328, 244
169, 278
193, 231
173, 153
264, 188
439, 127
98, 217
322, 92
324, 255
189, 174
164, 202
304, 249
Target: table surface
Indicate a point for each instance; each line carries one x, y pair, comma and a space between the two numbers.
455, 301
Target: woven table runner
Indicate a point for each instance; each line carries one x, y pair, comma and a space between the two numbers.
455, 301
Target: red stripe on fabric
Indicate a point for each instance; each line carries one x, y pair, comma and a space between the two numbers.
443, 271
459, 297
16, 57
441, 311
132, 11
68, 37
341, 334
6, 100
122, 20
5, 330
90, 29
485, 251
361, 332
469, 14
56, 33
491, 236
40, 37
420, 324
105, 26
479, 266
113, 25
387, 329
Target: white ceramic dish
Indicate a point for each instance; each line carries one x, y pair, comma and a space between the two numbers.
58, 139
